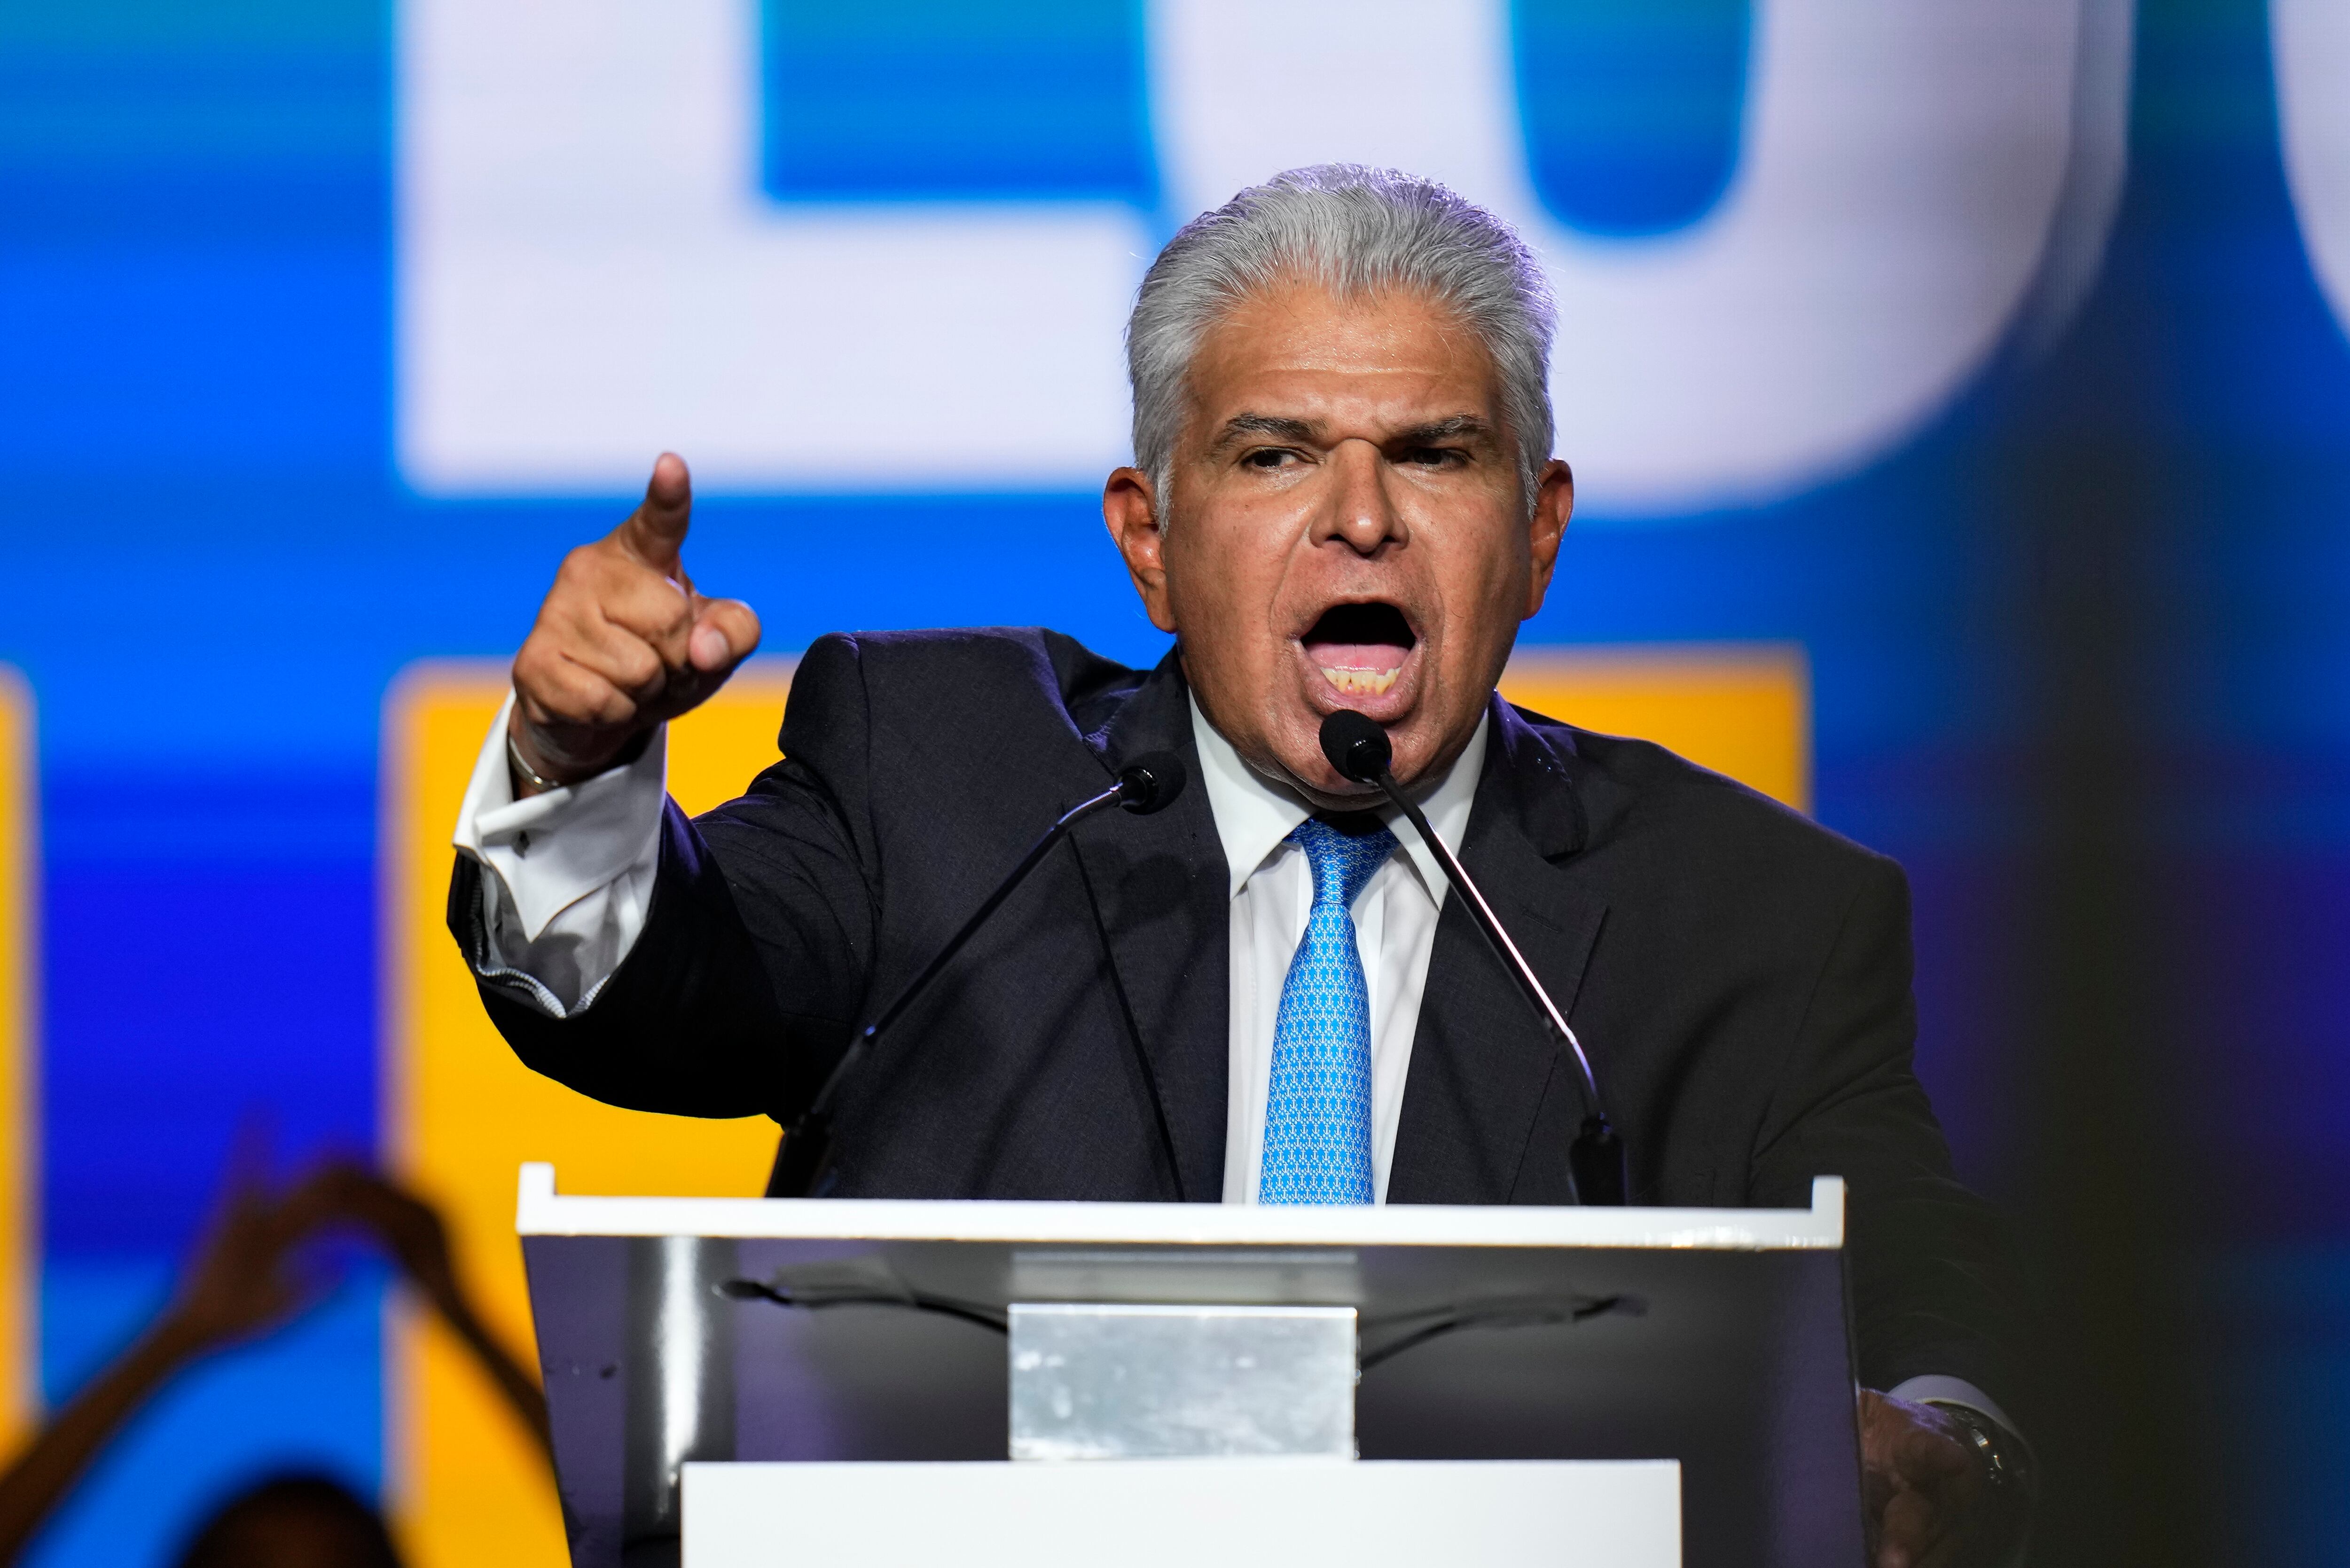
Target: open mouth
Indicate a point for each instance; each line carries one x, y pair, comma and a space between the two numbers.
1360, 649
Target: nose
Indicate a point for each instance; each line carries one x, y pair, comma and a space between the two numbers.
1356, 509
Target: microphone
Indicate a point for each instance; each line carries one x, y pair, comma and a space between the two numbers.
1149, 783
1357, 747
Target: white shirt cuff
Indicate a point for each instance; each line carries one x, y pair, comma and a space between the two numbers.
554, 849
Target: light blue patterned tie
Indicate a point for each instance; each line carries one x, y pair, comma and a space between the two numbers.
1318, 1113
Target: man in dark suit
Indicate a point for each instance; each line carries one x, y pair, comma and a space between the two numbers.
1342, 498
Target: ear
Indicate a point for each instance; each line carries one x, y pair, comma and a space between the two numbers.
1130, 508
1553, 504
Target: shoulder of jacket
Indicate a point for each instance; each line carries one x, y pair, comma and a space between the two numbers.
1630, 786
968, 667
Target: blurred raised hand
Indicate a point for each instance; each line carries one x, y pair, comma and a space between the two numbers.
413, 1233
250, 1274
247, 1277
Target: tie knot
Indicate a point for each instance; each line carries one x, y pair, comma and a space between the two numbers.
1342, 861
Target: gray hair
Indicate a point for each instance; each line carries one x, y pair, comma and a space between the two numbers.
1353, 231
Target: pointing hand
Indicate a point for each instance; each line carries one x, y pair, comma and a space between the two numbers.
623, 642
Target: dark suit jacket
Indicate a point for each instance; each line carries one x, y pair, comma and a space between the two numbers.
1740, 975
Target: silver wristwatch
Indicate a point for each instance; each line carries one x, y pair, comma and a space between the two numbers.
2010, 1483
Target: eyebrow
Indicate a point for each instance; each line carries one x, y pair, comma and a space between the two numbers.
1453, 429
1241, 426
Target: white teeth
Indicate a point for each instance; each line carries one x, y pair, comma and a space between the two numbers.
1361, 682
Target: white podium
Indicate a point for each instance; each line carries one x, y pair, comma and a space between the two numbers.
737, 1382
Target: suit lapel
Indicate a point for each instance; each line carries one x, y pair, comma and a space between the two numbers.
1481, 1062
1160, 884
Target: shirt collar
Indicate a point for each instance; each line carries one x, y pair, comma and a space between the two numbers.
1254, 814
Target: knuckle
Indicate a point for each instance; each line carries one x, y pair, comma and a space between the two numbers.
533, 667
644, 599
615, 709
640, 665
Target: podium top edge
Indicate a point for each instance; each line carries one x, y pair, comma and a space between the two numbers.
541, 1212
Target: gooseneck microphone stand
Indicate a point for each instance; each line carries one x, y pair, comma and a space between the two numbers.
1147, 784
1358, 748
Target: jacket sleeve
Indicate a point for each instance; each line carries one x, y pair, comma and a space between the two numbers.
1932, 1286
738, 996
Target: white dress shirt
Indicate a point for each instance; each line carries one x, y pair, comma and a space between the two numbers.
570, 877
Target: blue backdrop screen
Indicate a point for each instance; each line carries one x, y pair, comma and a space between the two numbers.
2068, 554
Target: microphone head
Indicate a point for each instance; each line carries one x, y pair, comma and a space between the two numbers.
1356, 746
1151, 783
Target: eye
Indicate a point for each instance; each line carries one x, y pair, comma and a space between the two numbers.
1268, 457
1433, 456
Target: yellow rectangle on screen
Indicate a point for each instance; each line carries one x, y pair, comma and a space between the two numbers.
469, 1491
1740, 709
20, 1251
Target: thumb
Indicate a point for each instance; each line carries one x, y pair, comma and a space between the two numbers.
656, 530
725, 631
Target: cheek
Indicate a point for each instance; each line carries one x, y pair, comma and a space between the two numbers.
1189, 585
1506, 563
1512, 577
1485, 575
1222, 578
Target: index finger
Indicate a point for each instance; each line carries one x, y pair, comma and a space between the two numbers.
655, 531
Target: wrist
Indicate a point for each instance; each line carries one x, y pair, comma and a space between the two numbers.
2006, 1465
2010, 1481
526, 778
172, 1338
533, 772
